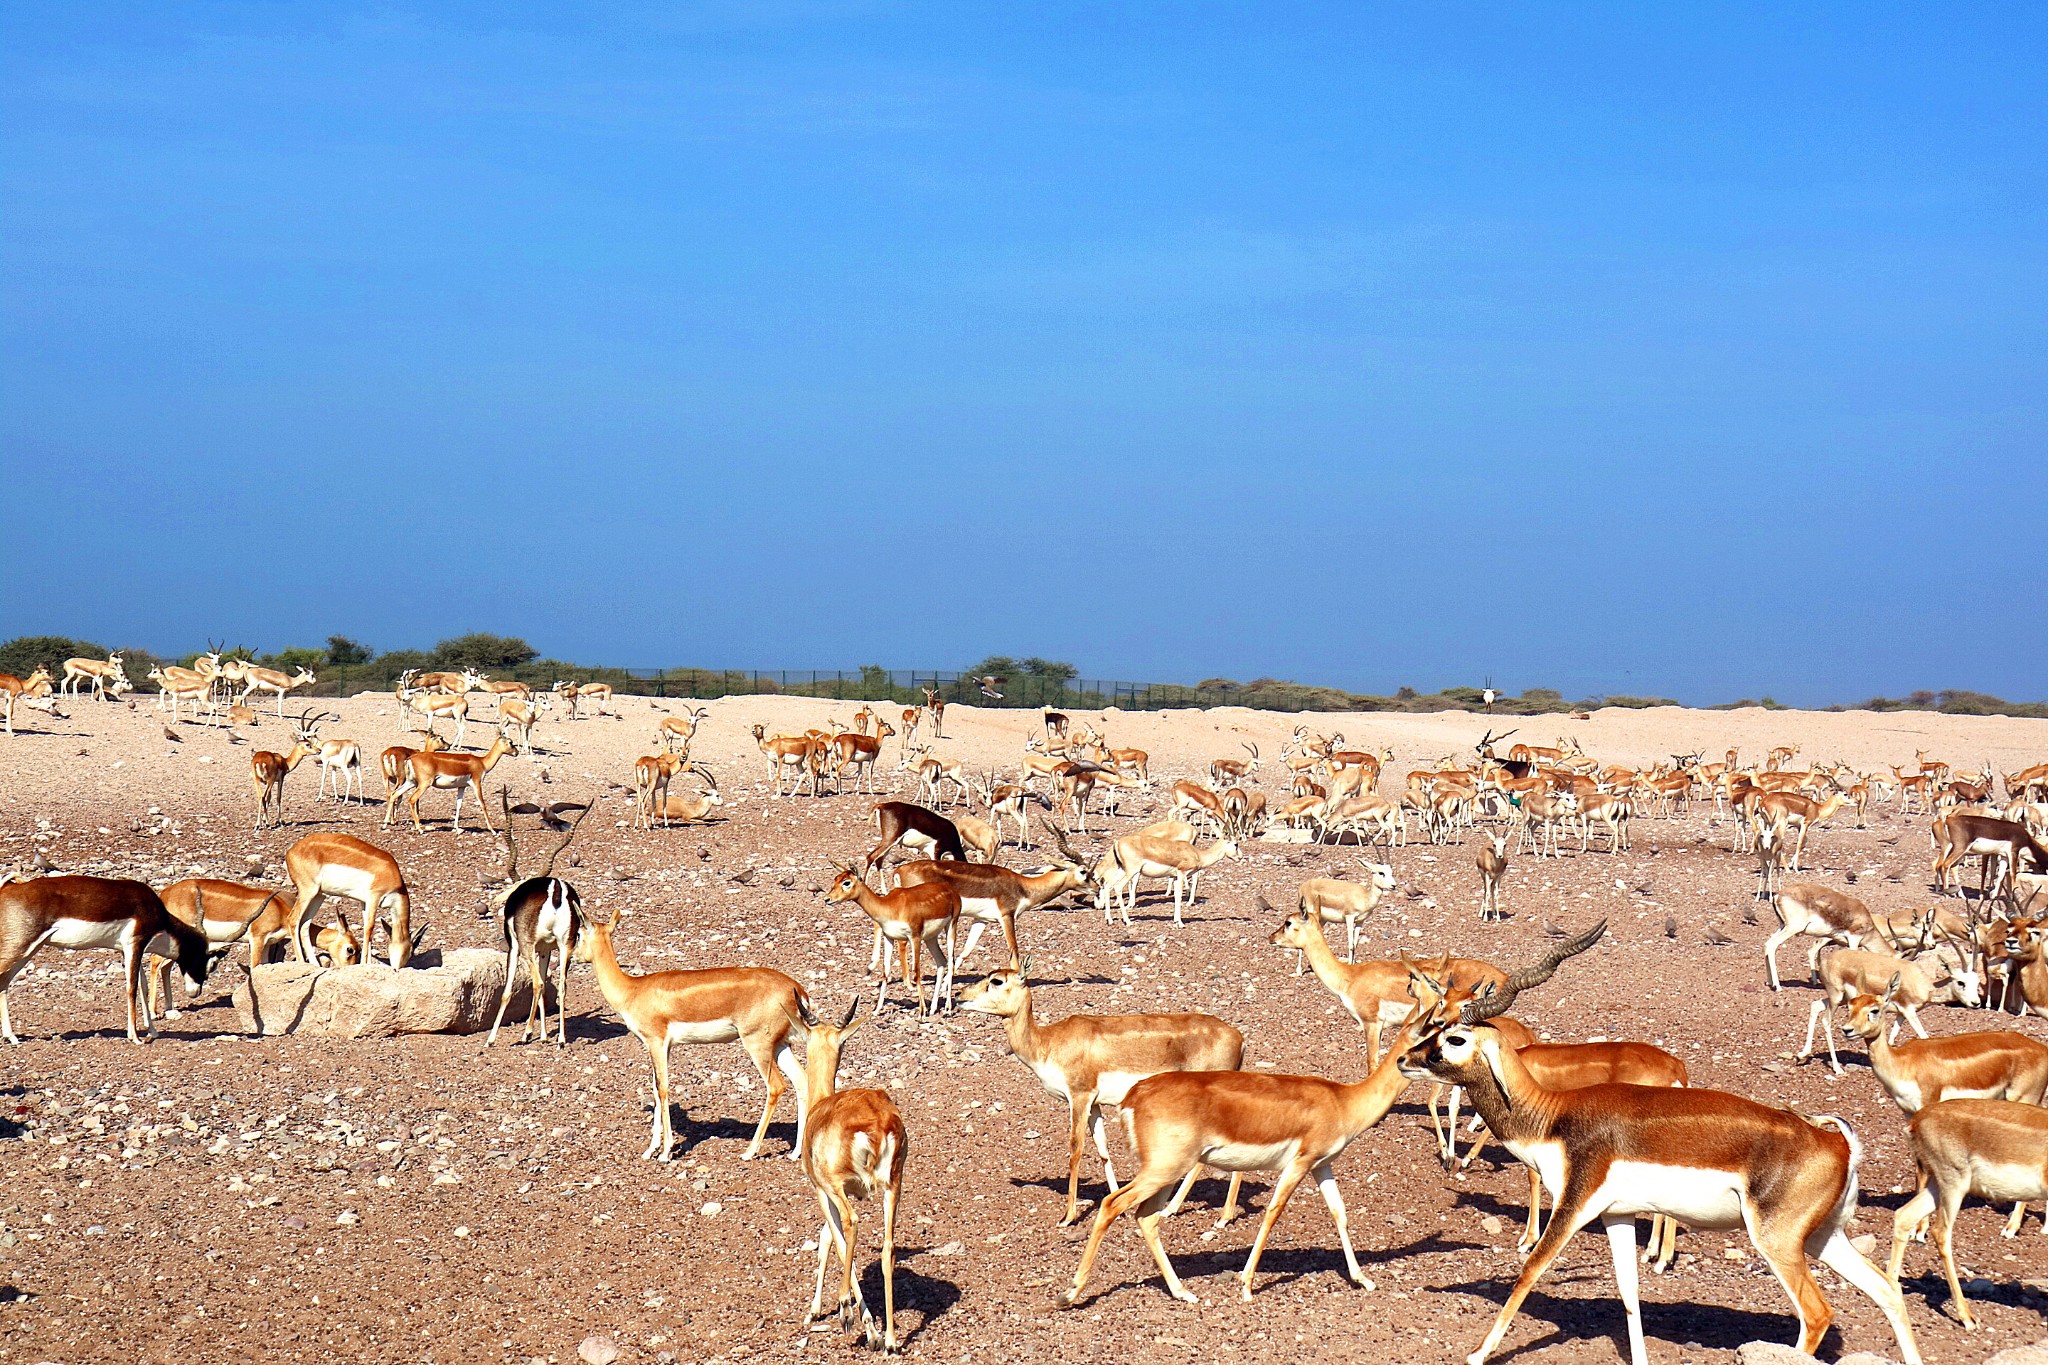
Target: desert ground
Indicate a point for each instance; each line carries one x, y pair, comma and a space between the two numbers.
212, 1196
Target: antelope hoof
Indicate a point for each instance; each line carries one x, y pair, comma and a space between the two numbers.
1069, 1297
1244, 1292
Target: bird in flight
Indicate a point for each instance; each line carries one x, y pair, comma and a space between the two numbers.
988, 687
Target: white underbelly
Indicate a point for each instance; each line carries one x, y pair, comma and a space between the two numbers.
85, 933
1052, 1078
1247, 1156
346, 882
1112, 1086
1999, 1181
553, 923
710, 1031
1394, 1011
1698, 1198
987, 911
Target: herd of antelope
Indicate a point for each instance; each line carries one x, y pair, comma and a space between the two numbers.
1611, 1129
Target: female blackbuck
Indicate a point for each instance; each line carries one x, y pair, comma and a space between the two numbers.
224, 912
860, 752
540, 918
1793, 815
1492, 861
1092, 1060
1334, 901
267, 772
332, 864
912, 917
255, 679
651, 775
676, 732
1196, 803
755, 1005
454, 772
1821, 912
1710, 1160
2000, 843
96, 912
14, 689
97, 675
396, 765
1851, 972
1373, 993
1994, 1149
855, 1148
787, 755
1137, 856
996, 895
1971, 1066
516, 716
919, 829
933, 775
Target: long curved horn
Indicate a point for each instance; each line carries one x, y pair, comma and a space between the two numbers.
1059, 837
1477, 1011
548, 868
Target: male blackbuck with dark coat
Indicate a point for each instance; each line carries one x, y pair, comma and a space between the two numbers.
96, 912
540, 918
918, 828
1713, 1161
2000, 843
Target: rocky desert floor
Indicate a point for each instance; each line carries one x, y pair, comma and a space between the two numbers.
213, 1197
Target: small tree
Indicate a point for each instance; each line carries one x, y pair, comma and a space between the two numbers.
482, 651
1053, 671
343, 652
24, 654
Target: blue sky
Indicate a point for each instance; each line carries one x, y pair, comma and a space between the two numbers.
1688, 350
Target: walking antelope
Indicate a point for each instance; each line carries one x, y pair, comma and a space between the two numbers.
1137, 856
1994, 1149
267, 772
96, 912
861, 752
1254, 1121
855, 1147
540, 918
1373, 993
430, 770
396, 765
1092, 1060
757, 1006
1851, 972
1226, 772
1973, 1066
1964, 834
1492, 861
327, 864
995, 895
916, 828
1827, 915
506, 690
1710, 1160
1333, 901
914, 917
255, 679
97, 674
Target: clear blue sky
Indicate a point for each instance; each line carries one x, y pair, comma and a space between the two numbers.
1693, 350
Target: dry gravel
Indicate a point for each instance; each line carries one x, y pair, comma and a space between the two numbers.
213, 1197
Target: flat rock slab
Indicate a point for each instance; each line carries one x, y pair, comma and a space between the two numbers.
458, 993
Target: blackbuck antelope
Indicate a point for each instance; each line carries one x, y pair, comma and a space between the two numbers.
924, 832
340, 760
1373, 993
1994, 1149
1092, 1060
396, 765
913, 917
755, 1005
96, 912
178, 686
433, 706
270, 680
441, 770
651, 777
1710, 1160
1333, 901
936, 705
788, 755
516, 717
860, 752
1228, 772
1850, 972
855, 1148
1969, 1066
267, 772
1821, 912
1197, 804
574, 695
325, 865
221, 910
96, 675
540, 918
996, 895
933, 775
1492, 861
1137, 856
1964, 834
1791, 816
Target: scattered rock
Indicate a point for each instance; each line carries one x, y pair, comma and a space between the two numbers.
456, 993
1866, 1243
1771, 1353
2036, 1354
597, 1351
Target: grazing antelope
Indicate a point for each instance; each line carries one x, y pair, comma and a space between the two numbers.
916, 828
1333, 901
327, 865
1964, 834
98, 675
855, 1148
1851, 972
757, 1006
1710, 1160
1373, 993
1092, 1060
431, 770
1198, 802
1137, 856
1226, 772
1827, 915
1994, 1149
255, 679
914, 916
1791, 816
267, 772
1492, 861
540, 919
96, 912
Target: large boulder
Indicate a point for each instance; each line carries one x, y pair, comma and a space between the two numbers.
452, 992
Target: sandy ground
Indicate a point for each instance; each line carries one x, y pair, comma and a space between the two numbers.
215, 1197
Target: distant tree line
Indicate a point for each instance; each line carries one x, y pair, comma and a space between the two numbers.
346, 665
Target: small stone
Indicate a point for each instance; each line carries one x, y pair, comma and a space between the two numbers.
295, 1223
950, 1249
598, 1351
462, 1231
1734, 1254
347, 1218
1771, 1353
1866, 1243
1491, 1224
712, 1209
